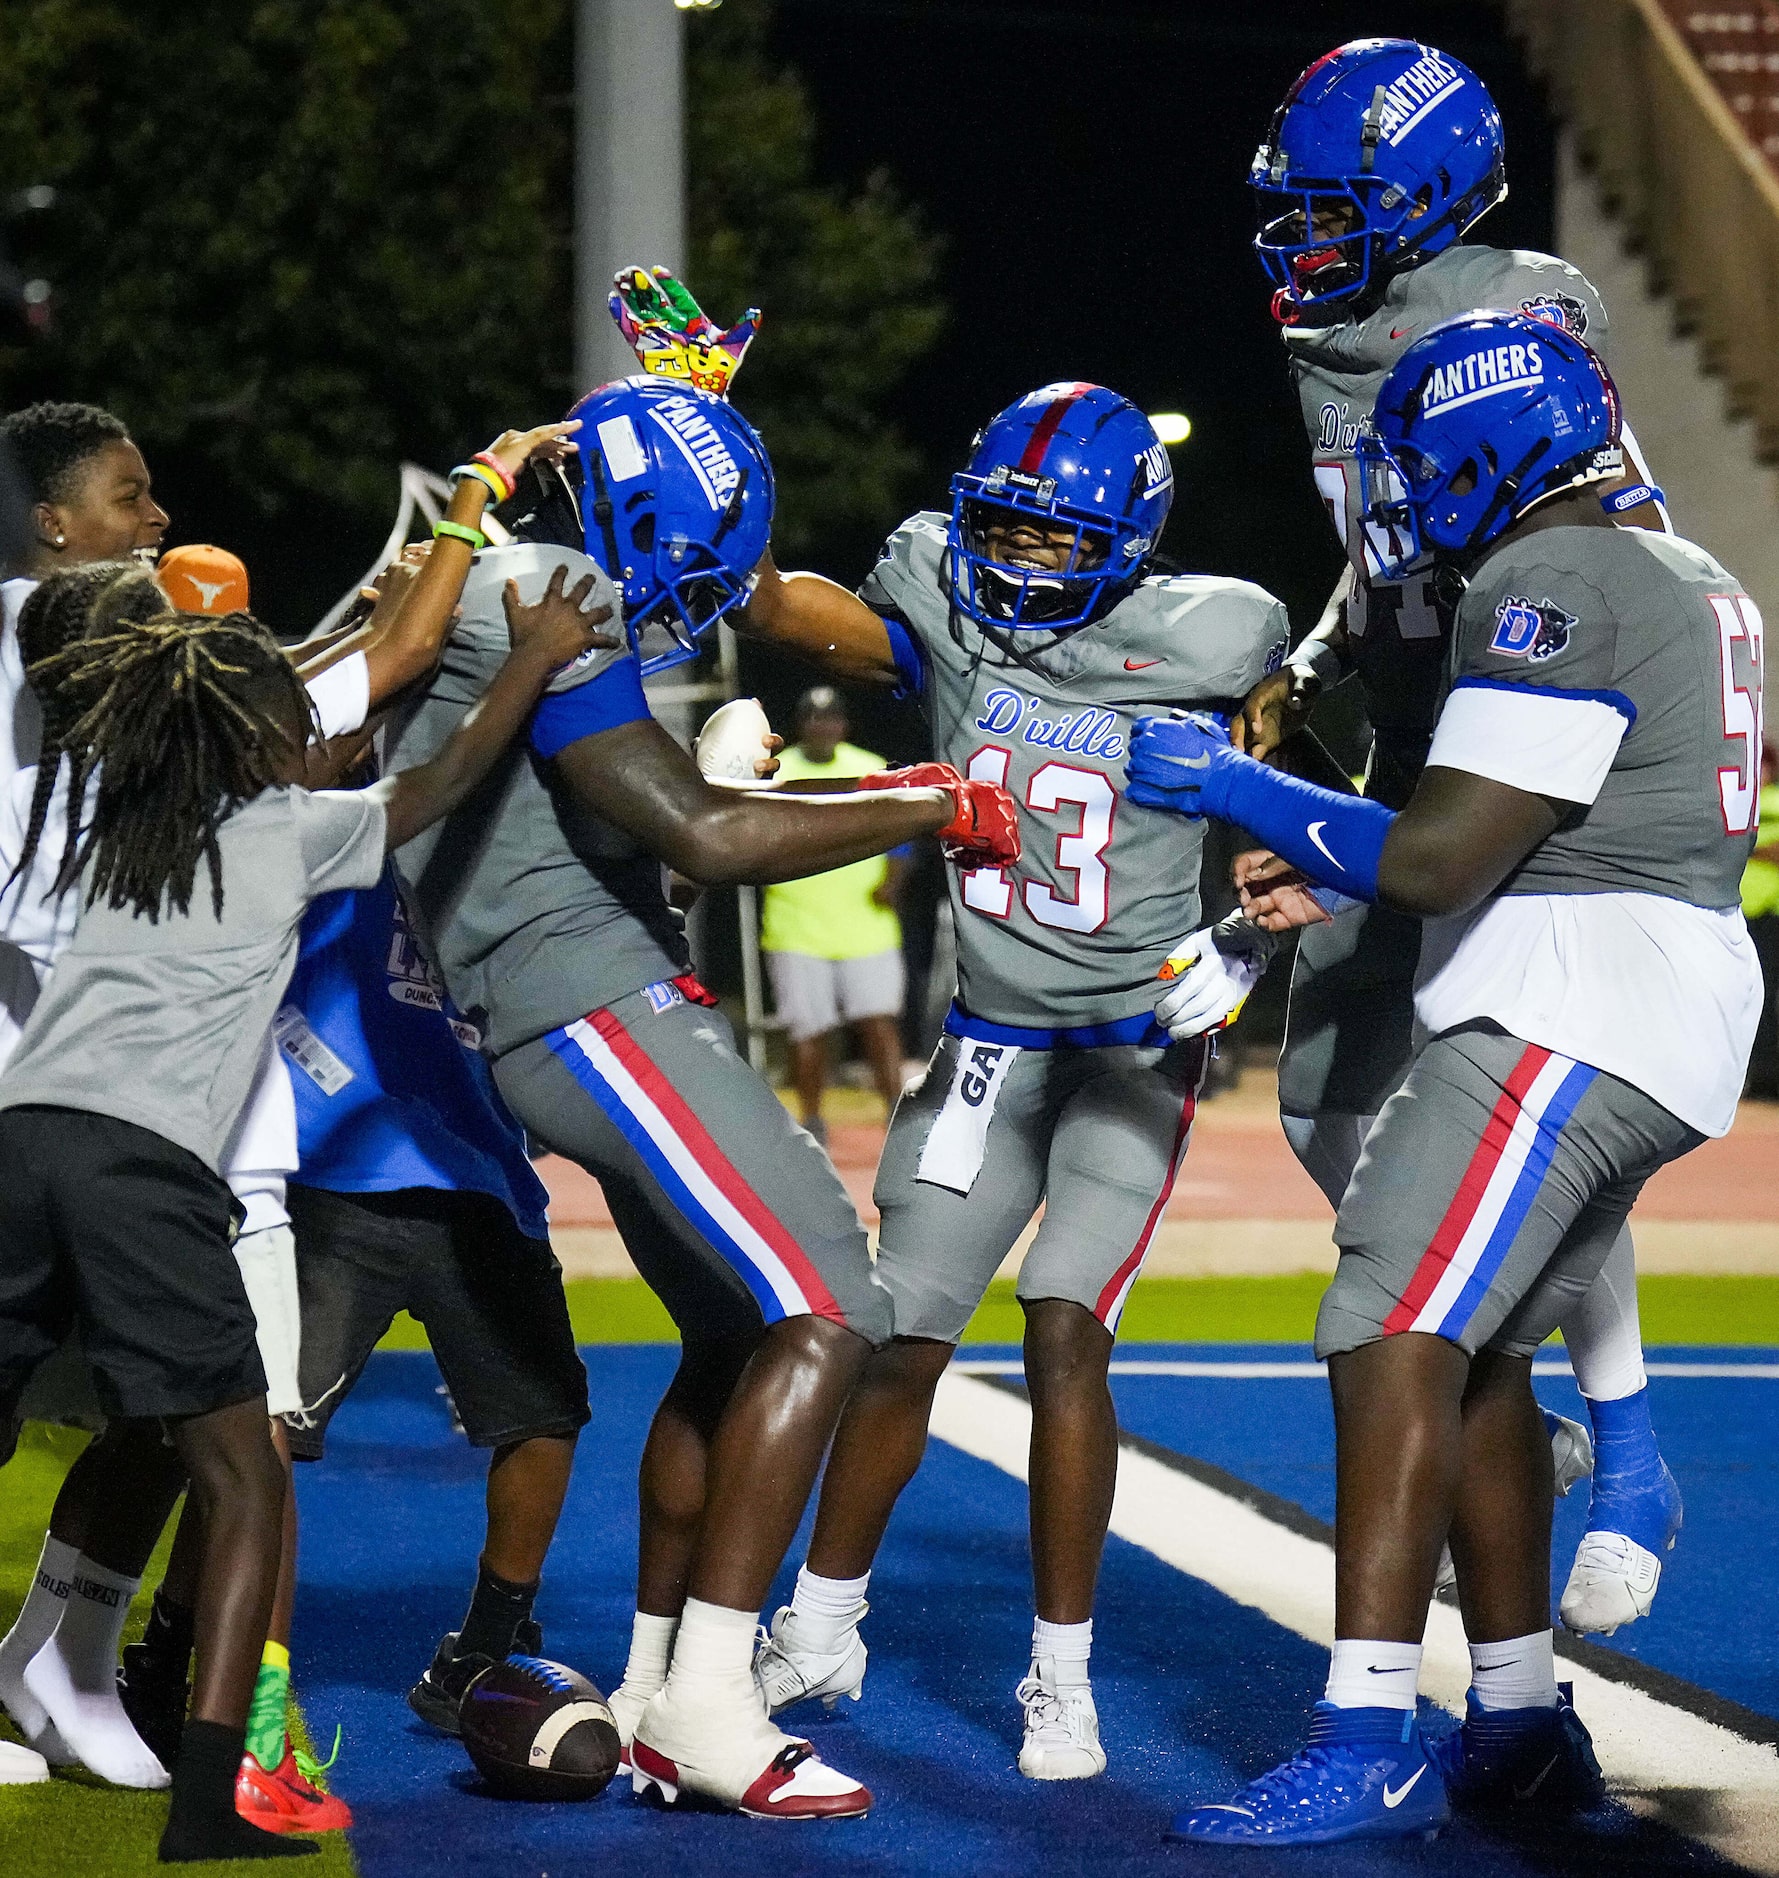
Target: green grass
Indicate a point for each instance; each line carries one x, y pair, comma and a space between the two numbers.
76, 1826
1202, 1310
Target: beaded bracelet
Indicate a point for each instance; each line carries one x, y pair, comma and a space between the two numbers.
485, 476
490, 461
458, 532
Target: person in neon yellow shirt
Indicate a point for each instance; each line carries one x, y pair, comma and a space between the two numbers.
833, 942
1760, 907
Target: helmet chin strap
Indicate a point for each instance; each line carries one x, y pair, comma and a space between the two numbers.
1505, 491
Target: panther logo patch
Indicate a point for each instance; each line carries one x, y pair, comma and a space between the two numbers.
1530, 629
1559, 309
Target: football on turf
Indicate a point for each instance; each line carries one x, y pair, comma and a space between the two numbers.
539, 1731
732, 742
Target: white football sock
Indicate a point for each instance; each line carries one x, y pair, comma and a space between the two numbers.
651, 1649
713, 1658
74, 1676
1066, 1649
1602, 1331
827, 1608
37, 1621
1520, 1672
1364, 1674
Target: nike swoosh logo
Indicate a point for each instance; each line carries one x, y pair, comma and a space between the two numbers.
1394, 1800
1400, 332
1381, 1669
1525, 1793
1314, 831
1141, 665
1204, 762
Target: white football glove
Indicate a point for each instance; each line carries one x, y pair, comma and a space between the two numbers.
1205, 988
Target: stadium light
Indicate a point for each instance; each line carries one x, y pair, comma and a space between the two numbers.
1172, 427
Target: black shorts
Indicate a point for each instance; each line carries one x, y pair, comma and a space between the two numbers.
113, 1229
490, 1298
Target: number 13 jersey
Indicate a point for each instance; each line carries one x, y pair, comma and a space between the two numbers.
1073, 936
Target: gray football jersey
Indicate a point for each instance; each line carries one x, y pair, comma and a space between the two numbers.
1654, 626
535, 910
1397, 630
1075, 933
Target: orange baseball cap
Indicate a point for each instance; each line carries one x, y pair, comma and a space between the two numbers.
201, 579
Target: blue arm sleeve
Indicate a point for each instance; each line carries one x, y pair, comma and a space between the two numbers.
563, 717
909, 668
1335, 839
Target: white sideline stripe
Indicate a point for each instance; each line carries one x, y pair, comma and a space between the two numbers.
1297, 1372
1646, 1747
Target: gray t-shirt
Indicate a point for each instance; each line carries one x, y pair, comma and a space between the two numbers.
534, 909
1653, 627
1398, 631
1075, 933
162, 1022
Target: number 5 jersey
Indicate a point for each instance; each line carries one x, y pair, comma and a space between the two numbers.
1616, 672
1073, 936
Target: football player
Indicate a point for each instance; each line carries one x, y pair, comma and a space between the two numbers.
1381, 157
1031, 626
1575, 844
542, 903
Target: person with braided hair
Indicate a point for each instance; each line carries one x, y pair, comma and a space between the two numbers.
58, 1664
194, 868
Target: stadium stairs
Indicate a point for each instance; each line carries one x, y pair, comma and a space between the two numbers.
1668, 199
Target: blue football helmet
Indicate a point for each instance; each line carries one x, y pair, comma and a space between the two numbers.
675, 502
1480, 419
1384, 152
1065, 456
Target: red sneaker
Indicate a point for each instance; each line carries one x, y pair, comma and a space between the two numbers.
283, 1801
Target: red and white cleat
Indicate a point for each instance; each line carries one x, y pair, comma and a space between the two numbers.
284, 1801
739, 1761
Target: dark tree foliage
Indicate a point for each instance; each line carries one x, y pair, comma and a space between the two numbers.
297, 242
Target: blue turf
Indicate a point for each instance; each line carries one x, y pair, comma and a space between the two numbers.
1196, 1693
1721, 1438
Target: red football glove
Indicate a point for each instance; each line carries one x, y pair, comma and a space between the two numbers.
985, 830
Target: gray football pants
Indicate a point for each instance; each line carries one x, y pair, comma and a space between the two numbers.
1489, 1196
1095, 1136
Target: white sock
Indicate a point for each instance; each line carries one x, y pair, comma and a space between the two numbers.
1363, 1674
827, 1608
74, 1676
1520, 1672
36, 1624
1067, 1649
1602, 1331
713, 1657
651, 1649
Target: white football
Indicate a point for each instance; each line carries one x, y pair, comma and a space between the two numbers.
732, 743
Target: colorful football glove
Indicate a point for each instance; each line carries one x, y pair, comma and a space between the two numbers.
670, 334
985, 830
1206, 987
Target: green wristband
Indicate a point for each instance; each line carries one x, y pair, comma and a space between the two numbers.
458, 532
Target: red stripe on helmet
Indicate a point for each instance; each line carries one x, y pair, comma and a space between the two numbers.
1048, 425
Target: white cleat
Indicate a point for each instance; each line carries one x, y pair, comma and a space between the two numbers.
1062, 1729
788, 1671
626, 1705
20, 1767
737, 1759
1614, 1581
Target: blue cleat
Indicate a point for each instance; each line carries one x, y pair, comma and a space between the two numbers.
1521, 1760
1365, 1775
